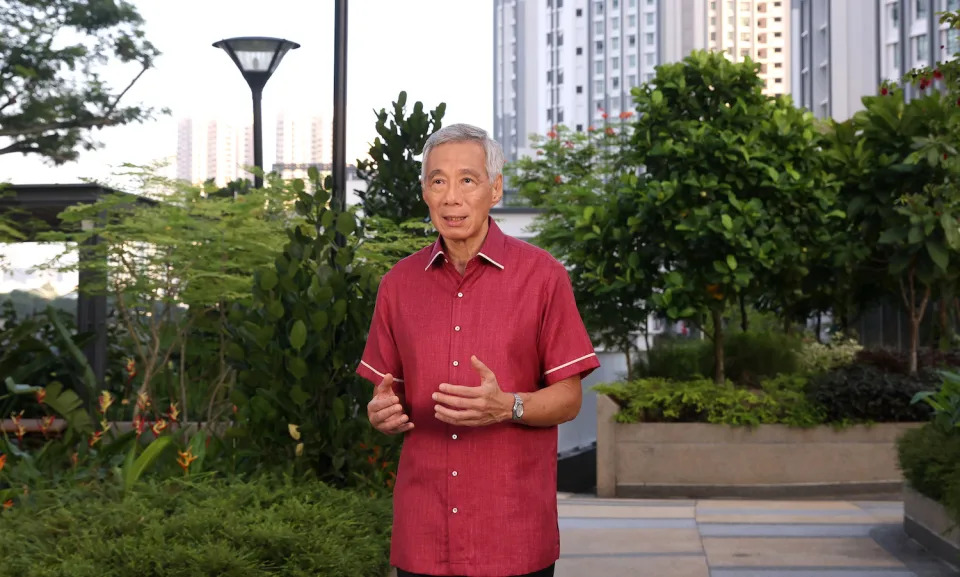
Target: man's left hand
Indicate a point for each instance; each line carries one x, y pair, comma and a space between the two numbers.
474, 406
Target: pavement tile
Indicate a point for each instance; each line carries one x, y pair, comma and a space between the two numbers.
584, 511
787, 518
801, 552
619, 541
784, 505
791, 530
775, 572
621, 566
603, 523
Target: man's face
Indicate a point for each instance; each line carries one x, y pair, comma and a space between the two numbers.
457, 190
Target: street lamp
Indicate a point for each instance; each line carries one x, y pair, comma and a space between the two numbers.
257, 58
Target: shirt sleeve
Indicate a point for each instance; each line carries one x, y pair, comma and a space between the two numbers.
380, 354
564, 345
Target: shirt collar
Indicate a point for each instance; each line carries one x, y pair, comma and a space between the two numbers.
493, 249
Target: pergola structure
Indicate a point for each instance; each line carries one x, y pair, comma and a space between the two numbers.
44, 203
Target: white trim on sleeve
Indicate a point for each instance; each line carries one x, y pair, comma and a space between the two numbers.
565, 365
378, 373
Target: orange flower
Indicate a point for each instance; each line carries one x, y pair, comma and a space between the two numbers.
143, 401
45, 424
95, 438
173, 413
3, 461
158, 427
185, 458
552, 134
610, 131
626, 114
8, 504
41, 396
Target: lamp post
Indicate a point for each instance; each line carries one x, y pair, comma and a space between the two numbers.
257, 58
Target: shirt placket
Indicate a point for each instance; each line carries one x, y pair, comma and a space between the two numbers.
458, 512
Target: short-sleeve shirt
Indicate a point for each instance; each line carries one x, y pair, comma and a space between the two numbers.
476, 500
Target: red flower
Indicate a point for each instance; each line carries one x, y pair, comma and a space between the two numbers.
158, 427
95, 438
944, 155
568, 144
610, 131
139, 423
552, 134
45, 424
41, 396
626, 114
591, 129
937, 74
884, 91
557, 179
8, 504
3, 461
604, 115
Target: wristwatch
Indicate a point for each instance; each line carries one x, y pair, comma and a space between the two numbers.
517, 407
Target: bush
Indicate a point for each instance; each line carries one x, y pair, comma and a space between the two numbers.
894, 361
677, 359
781, 401
930, 460
235, 529
818, 358
865, 393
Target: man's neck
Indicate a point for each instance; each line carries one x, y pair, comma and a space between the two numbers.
459, 252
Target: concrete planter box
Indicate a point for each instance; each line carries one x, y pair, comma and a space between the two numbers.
928, 523
696, 460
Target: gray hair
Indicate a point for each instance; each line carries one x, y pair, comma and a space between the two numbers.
466, 133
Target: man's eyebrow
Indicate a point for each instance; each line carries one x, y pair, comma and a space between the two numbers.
469, 171
433, 172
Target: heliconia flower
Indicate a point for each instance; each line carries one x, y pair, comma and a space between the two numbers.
143, 401
299, 450
626, 114
185, 458
106, 399
104, 425
16, 417
131, 368
610, 131
139, 423
8, 504
45, 424
95, 438
604, 115
158, 427
552, 134
41, 396
21, 431
3, 460
173, 413
294, 431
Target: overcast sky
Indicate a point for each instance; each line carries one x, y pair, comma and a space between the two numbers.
436, 50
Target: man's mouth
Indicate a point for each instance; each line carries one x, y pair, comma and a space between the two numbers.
454, 218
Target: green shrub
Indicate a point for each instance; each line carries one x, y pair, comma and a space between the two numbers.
751, 357
818, 358
780, 401
865, 393
180, 529
677, 359
930, 460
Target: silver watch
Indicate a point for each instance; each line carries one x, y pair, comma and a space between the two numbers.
517, 407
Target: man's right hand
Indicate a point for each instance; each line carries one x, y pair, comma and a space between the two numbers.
385, 411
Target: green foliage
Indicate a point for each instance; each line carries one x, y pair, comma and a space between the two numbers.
754, 356
930, 460
387, 243
53, 96
677, 359
945, 402
392, 173
735, 199
296, 348
816, 357
256, 528
864, 393
780, 401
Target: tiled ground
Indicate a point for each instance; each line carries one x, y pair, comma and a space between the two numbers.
718, 538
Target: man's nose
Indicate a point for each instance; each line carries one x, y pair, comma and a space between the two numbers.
452, 195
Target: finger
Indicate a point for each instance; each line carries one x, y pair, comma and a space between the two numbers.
394, 421
455, 401
386, 385
481, 368
401, 429
461, 391
379, 403
456, 416
384, 414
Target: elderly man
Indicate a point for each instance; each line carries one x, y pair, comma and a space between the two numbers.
477, 351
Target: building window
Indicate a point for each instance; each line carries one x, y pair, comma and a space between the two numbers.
778, 64
632, 40
744, 52
633, 60
713, 37
579, 50
599, 49
549, 76
549, 38
921, 48
713, 21
615, 23
579, 128
598, 67
745, 21
778, 19
615, 44
651, 59
745, 37
777, 34
649, 2
632, 80
616, 4
616, 82
633, 3
579, 12
778, 80
615, 63
745, 7
580, 89
559, 3
921, 9
632, 21
778, 50
598, 87
598, 29
549, 115
598, 7
560, 115
615, 103
894, 15
559, 38
649, 38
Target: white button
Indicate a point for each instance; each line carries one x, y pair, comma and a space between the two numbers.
457, 328
454, 509
460, 295
456, 363
454, 473
454, 436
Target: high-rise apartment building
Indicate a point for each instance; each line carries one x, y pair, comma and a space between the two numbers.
759, 29
302, 142
567, 62
213, 149
835, 55
911, 36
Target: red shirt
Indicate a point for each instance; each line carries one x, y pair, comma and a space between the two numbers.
476, 500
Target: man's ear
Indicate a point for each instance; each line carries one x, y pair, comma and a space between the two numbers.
498, 188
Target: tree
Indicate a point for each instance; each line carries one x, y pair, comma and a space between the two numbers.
52, 54
731, 197
574, 178
392, 173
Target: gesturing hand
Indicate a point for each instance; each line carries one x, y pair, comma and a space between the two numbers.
385, 411
474, 406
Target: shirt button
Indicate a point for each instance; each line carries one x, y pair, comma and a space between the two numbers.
454, 473
456, 363
454, 509
457, 328
454, 436
460, 295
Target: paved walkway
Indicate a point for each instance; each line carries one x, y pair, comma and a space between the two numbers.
720, 538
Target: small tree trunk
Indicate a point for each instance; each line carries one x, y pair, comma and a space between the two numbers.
718, 375
626, 351
744, 322
909, 295
946, 334
819, 326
